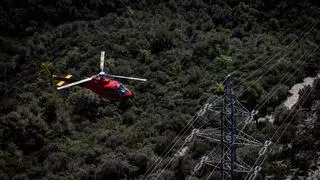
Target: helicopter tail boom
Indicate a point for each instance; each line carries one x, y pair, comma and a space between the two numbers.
63, 80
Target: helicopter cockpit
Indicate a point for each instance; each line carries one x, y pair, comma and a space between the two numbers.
122, 89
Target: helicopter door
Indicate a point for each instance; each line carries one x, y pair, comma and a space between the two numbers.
112, 92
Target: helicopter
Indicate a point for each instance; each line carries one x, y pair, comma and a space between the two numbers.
102, 84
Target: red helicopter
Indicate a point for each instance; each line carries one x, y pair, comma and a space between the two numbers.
101, 84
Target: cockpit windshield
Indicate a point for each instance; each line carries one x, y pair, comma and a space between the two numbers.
122, 90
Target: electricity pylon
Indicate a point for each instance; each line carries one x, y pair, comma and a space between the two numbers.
231, 113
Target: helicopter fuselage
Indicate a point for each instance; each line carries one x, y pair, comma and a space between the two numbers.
102, 84
108, 88
105, 87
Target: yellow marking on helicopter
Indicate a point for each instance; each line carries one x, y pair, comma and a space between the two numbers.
62, 82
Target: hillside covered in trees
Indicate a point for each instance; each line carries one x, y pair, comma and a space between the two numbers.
184, 48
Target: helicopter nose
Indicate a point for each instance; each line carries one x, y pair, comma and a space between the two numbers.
129, 94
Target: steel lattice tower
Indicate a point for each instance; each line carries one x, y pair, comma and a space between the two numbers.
228, 135
228, 128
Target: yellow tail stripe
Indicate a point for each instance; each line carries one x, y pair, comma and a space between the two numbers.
68, 76
62, 82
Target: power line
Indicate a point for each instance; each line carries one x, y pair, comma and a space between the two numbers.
293, 43
200, 113
194, 121
256, 169
244, 126
267, 143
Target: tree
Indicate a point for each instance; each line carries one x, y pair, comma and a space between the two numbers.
46, 71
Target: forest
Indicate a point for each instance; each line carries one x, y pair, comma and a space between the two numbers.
185, 48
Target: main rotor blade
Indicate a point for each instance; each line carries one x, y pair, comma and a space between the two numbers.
74, 83
102, 61
124, 77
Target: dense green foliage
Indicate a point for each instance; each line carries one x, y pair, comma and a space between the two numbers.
184, 48
296, 153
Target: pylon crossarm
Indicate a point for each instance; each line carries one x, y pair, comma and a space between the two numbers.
209, 133
210, 138
249, 138
245, 141
214, 99
242, 162
214, 134
241, 107
235, 170
243, 134
241, 168
242, 115
238, 167
227, 140
218, 164
209, 106
215, 109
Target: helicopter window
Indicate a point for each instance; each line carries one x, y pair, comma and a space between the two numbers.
122, 90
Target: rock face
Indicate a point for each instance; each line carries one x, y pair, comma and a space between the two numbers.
302, 157
182, 152
293, 99
269, 118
